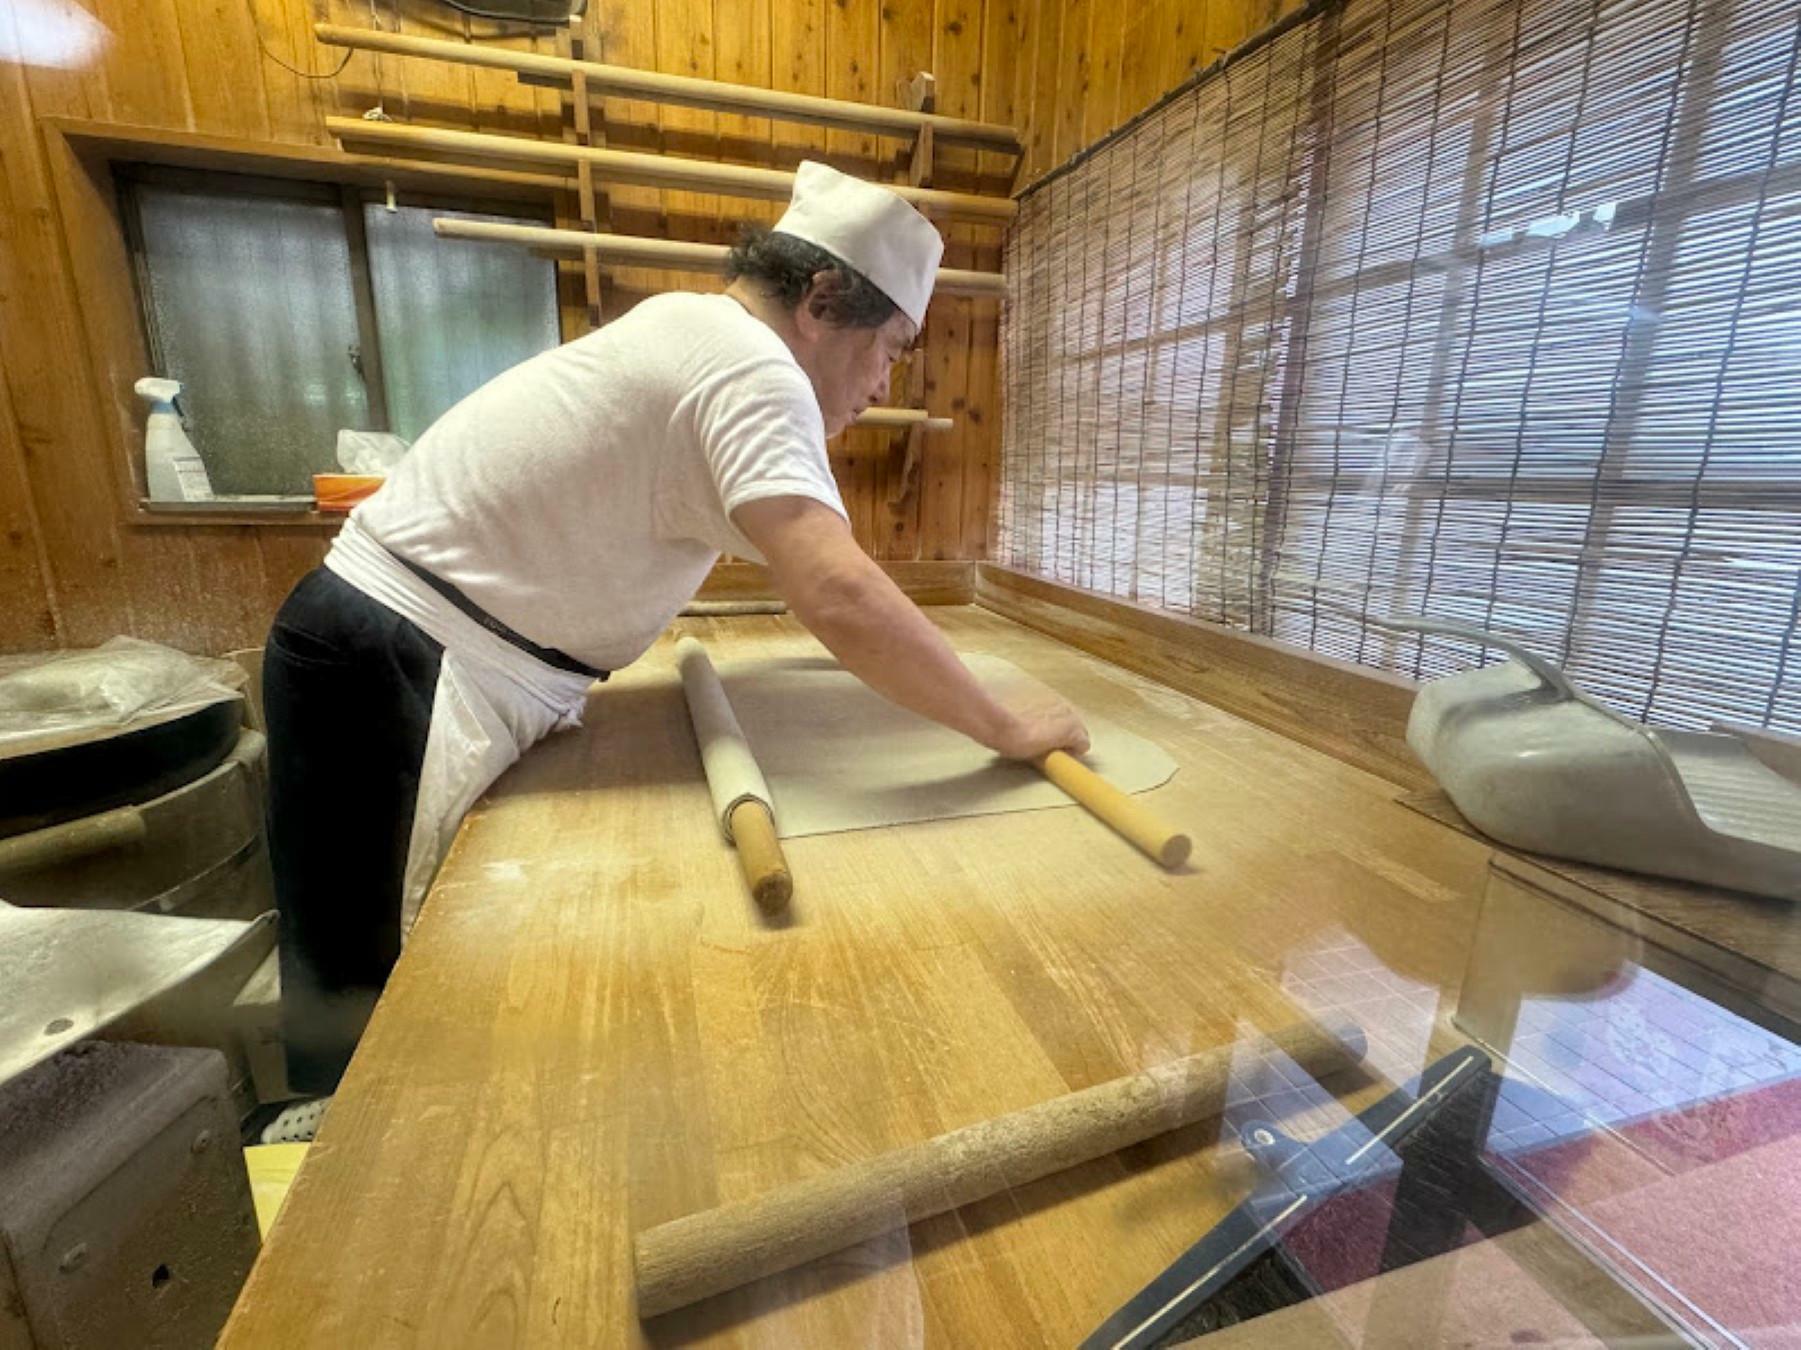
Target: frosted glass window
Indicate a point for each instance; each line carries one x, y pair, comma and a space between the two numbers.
452, 313
251, 307
293, 310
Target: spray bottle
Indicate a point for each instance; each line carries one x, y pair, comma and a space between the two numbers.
173, 469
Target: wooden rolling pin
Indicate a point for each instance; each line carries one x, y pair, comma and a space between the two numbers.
741, 797
55, 845
751, 826
707, 1253
1137, 822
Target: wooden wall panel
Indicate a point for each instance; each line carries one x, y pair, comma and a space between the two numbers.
25, 596
906, 49
43, 364
74, 571
1093, 64
852, 56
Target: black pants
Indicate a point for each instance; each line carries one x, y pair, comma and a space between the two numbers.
347, 693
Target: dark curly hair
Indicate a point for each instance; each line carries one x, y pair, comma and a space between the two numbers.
782, 267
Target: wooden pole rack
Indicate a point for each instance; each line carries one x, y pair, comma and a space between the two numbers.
638, 170
591, 207
583, 159
625, 250
686, 91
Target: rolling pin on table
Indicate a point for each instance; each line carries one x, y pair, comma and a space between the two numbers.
1142, 827
690, 1258
746, 806
741, 797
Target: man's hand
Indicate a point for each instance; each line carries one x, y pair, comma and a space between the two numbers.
1038, 725
880, 636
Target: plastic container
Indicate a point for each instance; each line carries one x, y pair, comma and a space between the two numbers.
173, 469
342, 491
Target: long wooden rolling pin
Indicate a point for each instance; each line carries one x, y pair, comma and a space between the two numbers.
702, 1254
741, 797
1137, 822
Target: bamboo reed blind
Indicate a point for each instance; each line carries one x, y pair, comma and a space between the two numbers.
1484, 309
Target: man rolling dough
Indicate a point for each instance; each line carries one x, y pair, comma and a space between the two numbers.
544, 531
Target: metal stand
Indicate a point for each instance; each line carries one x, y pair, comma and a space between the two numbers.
1299, 1178
1242, 1269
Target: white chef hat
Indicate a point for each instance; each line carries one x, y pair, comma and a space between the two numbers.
875, 231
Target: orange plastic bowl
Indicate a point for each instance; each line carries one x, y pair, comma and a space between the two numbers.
342, 491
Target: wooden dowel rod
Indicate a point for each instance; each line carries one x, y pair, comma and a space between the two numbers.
630, 250
658, 171
903, 417
683, 90
760, 855
703, 1254
1137, 822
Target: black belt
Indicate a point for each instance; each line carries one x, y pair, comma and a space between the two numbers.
550, 656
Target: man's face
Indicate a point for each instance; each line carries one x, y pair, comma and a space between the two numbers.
851, 366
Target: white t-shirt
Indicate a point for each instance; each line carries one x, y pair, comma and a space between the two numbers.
581, 497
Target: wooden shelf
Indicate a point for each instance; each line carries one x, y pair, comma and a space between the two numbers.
190, 514
627, 250
637, 170
682, 90
123, 142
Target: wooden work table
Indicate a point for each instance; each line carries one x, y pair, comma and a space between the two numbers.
593, 1030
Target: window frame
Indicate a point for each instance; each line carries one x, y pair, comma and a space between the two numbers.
108, 354
351, 199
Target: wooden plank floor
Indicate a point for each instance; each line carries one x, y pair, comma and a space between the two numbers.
592, 1030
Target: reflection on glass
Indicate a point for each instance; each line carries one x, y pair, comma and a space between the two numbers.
1617, 1157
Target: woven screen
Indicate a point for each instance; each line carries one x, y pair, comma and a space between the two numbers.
1484, 310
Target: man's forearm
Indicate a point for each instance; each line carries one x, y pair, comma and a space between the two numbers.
881, 637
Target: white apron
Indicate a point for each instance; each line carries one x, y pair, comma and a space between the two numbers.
492, 703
